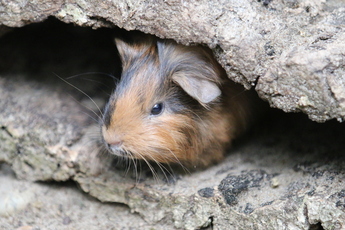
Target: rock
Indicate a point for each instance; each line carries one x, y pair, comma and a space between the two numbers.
59, 206
291, 52
287, 173
13, 197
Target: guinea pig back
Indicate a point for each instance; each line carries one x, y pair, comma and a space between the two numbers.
173, 104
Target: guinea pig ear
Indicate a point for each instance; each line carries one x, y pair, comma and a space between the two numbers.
202, 90
122, 47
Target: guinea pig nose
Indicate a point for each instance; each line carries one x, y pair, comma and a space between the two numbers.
115, 144
111, 139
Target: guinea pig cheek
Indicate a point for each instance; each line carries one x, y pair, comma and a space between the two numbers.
168, 141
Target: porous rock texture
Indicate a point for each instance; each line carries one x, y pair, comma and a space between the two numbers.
290, 50
287, 173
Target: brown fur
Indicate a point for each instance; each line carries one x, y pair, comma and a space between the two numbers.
189, 131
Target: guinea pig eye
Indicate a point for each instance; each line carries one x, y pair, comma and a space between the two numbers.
157, 109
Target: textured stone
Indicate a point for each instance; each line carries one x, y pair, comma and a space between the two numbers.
290, 51
287, 173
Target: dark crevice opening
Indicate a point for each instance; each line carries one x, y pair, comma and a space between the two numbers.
317, 226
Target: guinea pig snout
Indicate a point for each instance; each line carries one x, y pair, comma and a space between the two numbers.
116, 148
114, 145
113, 141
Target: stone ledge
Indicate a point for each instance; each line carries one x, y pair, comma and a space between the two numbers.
287, 173
291, 52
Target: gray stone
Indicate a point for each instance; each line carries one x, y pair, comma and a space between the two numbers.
291, 52
286, 173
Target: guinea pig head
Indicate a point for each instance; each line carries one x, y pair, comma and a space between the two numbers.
160, 109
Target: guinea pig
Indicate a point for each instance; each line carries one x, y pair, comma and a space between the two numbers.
172, 104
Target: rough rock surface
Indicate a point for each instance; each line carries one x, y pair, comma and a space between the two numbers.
291, 51
287, 173
26, 205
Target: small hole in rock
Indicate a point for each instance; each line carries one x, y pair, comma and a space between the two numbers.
209, 225
317, 226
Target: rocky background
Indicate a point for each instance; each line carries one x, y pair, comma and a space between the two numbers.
287, 172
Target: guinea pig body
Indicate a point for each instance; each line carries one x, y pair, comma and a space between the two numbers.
173, 104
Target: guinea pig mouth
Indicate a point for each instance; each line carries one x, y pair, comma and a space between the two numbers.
117, 150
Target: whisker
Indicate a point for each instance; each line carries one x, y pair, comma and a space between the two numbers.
102, 154
177, 161
126, 161
115, 79
239, 93
81, 91
161, 167
171, 172
100, 83
94, 119
94, 112
135, 163
91, 73
154, 173
131, 160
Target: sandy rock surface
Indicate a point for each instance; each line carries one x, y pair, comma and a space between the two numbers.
27, 205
